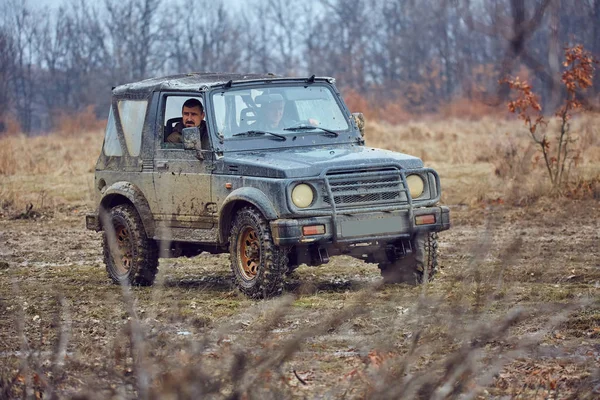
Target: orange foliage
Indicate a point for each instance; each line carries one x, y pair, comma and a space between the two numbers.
477, 85
558, 156
397, 110
415, 100
392, 111
424, 97
468, 109
70, 124
357, 103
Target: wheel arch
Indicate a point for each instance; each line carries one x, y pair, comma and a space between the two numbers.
127, 193
237, 199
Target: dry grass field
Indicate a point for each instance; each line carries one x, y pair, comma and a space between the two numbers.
514, 313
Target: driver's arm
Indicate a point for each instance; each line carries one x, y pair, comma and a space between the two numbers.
175, 136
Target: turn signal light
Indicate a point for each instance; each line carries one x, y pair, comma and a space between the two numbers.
425, 219
313, 230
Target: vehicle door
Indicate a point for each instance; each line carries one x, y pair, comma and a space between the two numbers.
182, 182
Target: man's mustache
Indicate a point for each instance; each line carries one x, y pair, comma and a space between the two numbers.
190, 122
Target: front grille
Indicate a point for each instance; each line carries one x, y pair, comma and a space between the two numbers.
366, 187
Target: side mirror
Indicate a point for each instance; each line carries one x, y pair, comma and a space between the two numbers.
192, 141
191, 138
359, 120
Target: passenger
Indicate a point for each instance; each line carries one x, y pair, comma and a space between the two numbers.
272, 107
192, 113
272, 113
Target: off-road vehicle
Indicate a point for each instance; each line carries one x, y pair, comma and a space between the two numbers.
273, 195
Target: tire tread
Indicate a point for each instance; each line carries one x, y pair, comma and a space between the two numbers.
145, 264
270, 277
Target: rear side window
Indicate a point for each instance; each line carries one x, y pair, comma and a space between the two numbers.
133, 113
112, 148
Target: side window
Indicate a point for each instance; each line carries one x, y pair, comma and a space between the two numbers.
133, 113
112, 147
174, 122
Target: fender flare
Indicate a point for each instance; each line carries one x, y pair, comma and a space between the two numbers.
112, 195
249, 195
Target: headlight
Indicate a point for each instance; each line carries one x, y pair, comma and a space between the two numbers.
415, 185
302, 195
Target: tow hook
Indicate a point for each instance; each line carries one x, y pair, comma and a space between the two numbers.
323, 255
398, 250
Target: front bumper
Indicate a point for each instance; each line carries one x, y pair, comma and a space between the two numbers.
360, 227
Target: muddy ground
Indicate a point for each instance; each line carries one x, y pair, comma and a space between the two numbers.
516, 306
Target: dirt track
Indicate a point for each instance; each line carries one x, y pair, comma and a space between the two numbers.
544, 258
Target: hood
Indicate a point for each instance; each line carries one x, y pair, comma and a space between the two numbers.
310, 162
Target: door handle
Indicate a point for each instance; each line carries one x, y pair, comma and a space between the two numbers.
162, 165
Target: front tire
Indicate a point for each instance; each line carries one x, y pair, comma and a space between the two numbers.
258, 265
135, 257
418, 267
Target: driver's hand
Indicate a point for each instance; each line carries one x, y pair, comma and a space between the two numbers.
313, 122
175, 137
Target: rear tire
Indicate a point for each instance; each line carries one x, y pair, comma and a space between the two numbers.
417, 267
137, 258
258, 265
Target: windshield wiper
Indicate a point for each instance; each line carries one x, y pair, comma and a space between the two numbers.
310, 128
258, 133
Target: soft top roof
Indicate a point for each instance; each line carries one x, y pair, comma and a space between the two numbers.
192, 82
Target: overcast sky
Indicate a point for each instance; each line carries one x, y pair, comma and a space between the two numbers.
57, 3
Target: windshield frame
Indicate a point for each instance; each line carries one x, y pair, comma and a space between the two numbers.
295, 139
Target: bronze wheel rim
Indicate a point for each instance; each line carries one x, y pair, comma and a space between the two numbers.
124, 243
249, 253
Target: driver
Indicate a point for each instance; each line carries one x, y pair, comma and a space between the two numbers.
192, 114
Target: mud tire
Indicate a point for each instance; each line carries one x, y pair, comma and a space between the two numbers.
419, 266
258, 265
140, 251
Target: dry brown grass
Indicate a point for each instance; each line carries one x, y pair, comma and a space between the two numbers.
47, 171
460, 141
489, 159
55, 154
72, 124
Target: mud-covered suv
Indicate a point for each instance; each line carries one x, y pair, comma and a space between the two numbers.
278, 176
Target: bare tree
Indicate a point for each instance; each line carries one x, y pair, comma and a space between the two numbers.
22, 22
285, 27
52, 47
425, 52
595, 45
516, 29
343, 41
7, 71
135, 34
258, 44
202, 38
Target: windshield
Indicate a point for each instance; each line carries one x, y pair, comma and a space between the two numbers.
280, 110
